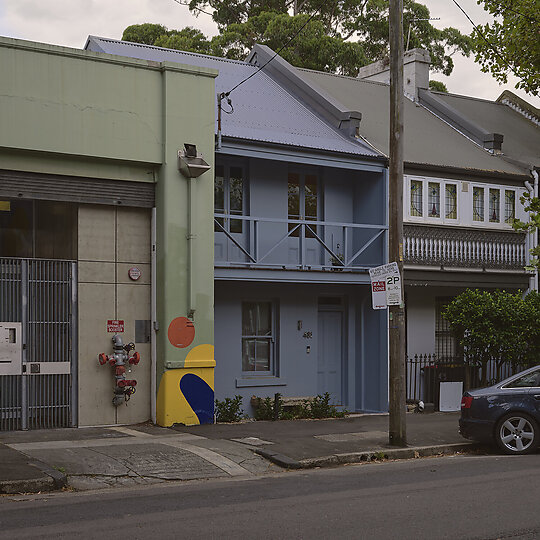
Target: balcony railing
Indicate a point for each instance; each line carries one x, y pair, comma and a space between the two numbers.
251, 242
446, 246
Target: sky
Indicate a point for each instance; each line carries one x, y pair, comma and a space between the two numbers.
70, 22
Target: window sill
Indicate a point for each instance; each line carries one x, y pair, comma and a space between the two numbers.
246, 382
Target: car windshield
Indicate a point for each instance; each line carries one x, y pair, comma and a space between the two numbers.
525, 381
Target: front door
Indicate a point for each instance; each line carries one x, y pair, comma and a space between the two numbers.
330, 355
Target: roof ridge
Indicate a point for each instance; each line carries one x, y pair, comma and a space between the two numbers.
338, 75
177, 51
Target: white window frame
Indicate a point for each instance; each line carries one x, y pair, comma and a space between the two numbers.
486, 223
425, 217
464, 198
272, 338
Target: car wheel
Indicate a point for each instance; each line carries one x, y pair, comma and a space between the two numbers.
517, 433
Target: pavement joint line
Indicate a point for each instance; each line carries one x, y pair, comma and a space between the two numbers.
223, 463
132, 432
89, 443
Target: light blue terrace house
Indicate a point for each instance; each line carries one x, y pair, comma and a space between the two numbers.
300, 218
467, 162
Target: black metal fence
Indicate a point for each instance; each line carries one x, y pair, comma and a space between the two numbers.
425, 372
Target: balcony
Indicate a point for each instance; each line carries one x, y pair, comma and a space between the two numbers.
287, 244
465, 248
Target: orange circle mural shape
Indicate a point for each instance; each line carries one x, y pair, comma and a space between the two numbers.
181, 332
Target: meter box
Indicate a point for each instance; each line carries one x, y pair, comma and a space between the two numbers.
10, 348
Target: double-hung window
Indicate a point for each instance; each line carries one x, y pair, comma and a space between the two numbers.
229, 188
258, 337
303, 201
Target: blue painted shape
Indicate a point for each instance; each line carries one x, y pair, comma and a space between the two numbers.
200, 397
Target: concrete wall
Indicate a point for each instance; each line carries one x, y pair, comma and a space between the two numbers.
111, 241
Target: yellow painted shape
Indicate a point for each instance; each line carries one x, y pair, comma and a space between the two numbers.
171, 406
201, 356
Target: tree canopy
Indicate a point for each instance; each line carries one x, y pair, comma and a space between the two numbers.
532, 207
496, 326
511, 44
341, 37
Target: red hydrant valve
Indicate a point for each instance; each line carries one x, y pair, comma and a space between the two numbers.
124, 388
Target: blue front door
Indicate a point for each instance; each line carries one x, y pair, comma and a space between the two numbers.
330, 354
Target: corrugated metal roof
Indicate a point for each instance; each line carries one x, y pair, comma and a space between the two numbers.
521, 136
263, 110
427, 139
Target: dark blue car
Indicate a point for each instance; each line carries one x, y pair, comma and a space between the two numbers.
507, 413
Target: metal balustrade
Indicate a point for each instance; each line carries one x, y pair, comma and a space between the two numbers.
298, 244
447, 246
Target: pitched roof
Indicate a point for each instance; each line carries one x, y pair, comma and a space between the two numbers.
521, 135
263, 110
428, 141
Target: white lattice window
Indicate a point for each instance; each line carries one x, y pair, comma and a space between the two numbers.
416, 198
478, 203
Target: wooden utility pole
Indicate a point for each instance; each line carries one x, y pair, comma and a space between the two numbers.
397, 425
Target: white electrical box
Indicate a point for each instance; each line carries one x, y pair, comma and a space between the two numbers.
450, 396
10, 348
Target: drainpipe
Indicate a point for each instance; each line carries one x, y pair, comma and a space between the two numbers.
153, 315
534, 174
529, 246
219, 98
190, 238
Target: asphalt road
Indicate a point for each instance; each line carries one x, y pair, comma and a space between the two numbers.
462, 497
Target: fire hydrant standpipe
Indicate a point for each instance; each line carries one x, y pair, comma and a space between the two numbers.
124, 388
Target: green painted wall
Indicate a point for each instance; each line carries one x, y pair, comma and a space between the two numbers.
81, 113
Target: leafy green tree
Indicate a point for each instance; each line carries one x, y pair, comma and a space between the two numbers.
438, 86
532, 206
496, 326
343, 36
146, 33
511, 43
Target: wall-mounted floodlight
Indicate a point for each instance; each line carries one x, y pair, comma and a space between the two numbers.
190, 163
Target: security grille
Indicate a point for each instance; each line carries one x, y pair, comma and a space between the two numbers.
41, 294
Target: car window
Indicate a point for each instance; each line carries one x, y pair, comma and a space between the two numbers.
525, 381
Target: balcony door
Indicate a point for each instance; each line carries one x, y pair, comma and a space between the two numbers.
229, 201
304, 205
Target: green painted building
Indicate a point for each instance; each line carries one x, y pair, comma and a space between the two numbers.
100, 233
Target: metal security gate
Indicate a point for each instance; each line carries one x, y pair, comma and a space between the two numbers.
42, 296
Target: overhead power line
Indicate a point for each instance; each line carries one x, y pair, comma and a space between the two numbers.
508, 63
195, 8
226, 94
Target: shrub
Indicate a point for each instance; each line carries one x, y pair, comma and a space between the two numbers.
229, 410
320, 407
266, 409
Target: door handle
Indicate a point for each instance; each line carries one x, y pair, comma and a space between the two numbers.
537, 397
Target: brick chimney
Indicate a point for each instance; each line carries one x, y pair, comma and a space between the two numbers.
415, 71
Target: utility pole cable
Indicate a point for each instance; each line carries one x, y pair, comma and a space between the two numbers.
397, 408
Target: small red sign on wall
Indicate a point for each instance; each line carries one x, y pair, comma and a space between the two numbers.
115, 326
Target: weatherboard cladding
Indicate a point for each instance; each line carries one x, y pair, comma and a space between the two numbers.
263, 110
428, 141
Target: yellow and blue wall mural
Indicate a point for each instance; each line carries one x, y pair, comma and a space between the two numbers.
186, 394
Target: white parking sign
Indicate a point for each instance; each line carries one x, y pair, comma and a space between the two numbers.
385, 286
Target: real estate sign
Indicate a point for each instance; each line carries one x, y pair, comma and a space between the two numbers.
385, 286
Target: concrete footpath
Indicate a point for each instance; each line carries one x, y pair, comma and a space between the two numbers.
94, 458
